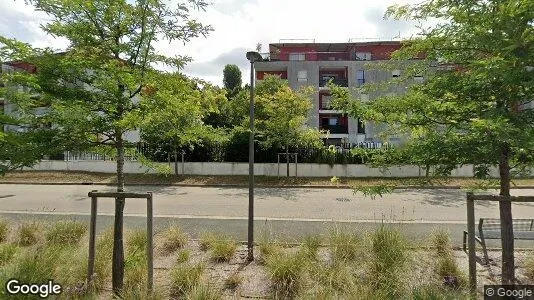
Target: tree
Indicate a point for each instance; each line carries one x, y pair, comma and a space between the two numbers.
173, 115
282, 114
474, 107
96, 88
232, 80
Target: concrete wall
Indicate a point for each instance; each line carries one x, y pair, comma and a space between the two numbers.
270, 169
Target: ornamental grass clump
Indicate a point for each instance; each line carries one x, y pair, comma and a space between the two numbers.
344, 245
286, 271
174, 238
65, 233
223, 249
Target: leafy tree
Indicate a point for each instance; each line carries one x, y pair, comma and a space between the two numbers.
95, 90
232, 80
474, 106
281, 115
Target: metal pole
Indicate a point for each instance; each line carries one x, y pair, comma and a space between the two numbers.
183, 162
149, 247
250, 255
296, 163
92, 238
471, 243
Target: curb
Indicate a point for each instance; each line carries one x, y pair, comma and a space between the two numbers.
230, 185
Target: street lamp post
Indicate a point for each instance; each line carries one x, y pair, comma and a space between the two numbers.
252, 56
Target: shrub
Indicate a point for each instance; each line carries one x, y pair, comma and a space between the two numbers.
29, 234
184, 278
223, 249
441, 241
206, 240
65, 233
268, 248
233, 281
173, 239
344, 246
183, 256
7, 253
286, 272
310, 246
388, 261
529, 268
203, 292
4, 230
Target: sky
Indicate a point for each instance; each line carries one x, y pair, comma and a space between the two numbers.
239, 25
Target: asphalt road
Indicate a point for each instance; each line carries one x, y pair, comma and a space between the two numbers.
287, 211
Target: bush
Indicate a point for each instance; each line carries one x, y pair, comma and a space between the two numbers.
344, 246
4, 230
203, 292
441, 241
184, 278
389, 256
173, 239
29, 234
233, 281
7, 253
66, 233
223, 249
286, 272
206, 240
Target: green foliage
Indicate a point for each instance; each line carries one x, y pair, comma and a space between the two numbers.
310, 246
184, 278
206, 241
232, 79
4, 230
389, 257
374, 190
183, 256
223, 249
65, 233
203, 292
286, 271
7, 253
441, 241
29, 233
268, 248
174, 238
344, 245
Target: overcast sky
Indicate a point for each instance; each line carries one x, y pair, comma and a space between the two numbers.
240, 25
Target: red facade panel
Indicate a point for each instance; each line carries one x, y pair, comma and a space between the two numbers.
260, 75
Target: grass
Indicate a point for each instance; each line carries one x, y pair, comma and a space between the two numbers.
337, 276
206, 240
233, 281
65, 233
203, 292
183, 256
388, 262
7, 253
135, 264
310, 246
223, 249
29, 234
174, 238
267, 248
4, 230
529, 268
184, 278
344, 245
441, 241
286, 272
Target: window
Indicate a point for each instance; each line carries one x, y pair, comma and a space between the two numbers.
333, 121
363, 56
360, 77
325, 102
302, 76
395, 73
361, 127
297, 56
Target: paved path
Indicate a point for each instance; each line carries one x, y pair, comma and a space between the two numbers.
294, 212
444, 205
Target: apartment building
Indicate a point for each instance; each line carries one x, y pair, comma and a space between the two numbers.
347, 64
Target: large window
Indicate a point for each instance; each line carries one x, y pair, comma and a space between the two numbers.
302, 76
297, 56
361, 127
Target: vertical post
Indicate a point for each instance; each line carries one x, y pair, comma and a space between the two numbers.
278, 164
175, 161
471, 243
150, 248
250, 255
92, 238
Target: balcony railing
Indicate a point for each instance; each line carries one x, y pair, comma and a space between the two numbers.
343, 82
335, 129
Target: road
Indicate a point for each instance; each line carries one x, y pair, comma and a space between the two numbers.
291, 210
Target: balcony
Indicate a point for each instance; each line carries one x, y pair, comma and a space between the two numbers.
343, 82
335, 129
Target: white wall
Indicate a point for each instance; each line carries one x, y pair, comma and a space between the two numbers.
270, 169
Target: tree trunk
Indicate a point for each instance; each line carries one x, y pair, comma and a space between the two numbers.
287, 161
505, 209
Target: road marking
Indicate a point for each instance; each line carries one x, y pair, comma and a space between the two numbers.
258, 218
